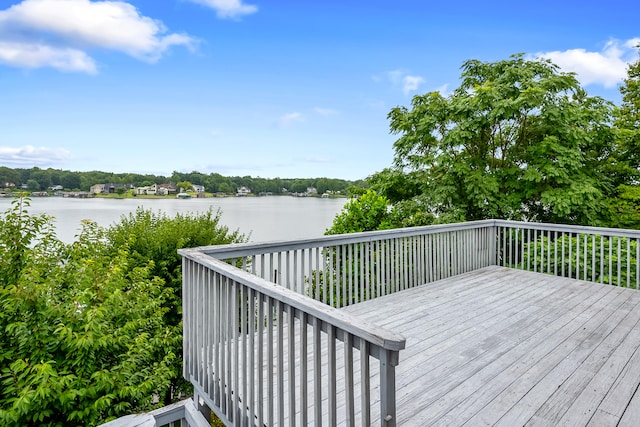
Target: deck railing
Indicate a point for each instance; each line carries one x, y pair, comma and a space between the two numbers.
601, 255
264, 343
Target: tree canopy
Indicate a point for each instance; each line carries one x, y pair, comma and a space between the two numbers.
517, 139
92, 330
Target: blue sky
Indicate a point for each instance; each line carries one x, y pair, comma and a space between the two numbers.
271, 89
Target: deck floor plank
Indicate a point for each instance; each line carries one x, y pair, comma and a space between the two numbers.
502, 346
499, 346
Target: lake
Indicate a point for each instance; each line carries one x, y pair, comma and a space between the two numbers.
264, 218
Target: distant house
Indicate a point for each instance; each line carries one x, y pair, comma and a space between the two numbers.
109, 188
151, 190
56, 188
113, 188
170, 188
242, 191
97, 189
312, 190
198, 188
7, 185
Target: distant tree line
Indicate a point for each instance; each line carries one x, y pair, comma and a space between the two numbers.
38, 179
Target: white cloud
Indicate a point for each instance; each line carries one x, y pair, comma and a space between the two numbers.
38, 55
411, 83
289, 118
48, 30
402, 79
325, 111
607, 67
30, 156
228, 8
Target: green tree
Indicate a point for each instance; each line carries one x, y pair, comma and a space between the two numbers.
518, 139
368, 212
185, 186
225, 187
153, 240
33, 185
43, 177
627, 121
70, 180
8, 176
82, 332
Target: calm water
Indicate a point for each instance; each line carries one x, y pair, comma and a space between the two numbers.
264, 218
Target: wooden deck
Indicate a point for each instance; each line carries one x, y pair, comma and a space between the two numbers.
506, 347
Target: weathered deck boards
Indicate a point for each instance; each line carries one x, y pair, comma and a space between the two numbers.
505, 347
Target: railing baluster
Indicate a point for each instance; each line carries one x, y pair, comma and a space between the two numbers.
304, 421
252, 306
271, 401
601, 258
365, 383
331, 370
280, 370
619, 261
291, 368
628, 260
243, 334
593, 258
260, 359
348, 379
611, 260
578, 253
235, 385
317, 372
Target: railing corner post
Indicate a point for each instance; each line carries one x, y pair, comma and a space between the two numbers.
388, 361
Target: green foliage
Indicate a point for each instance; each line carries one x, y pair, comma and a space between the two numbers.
518, 139
627, 124
184, 186
366, 213
153, 240
82, 332
92, 330
609, 260
624, 208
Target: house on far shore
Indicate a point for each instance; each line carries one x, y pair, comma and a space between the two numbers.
97, 188
108, 188
151, 190
198, 188
169, 188
242, 191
